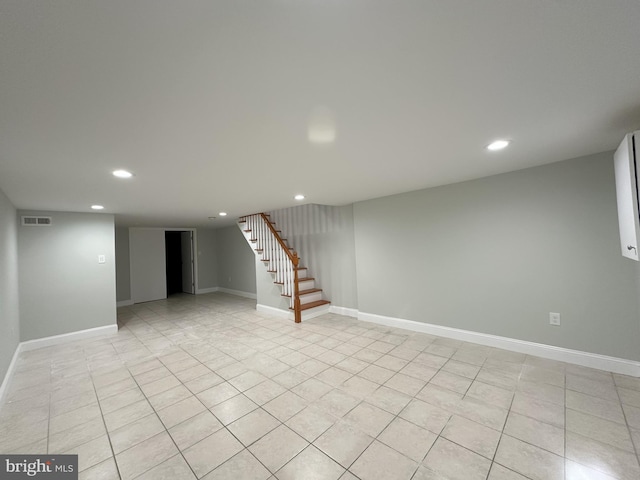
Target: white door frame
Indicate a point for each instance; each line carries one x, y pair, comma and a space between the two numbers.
188, 236
194, 231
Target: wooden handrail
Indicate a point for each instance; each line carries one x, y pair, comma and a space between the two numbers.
293, 256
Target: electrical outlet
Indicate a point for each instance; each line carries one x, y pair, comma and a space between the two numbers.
554, 318
101, 259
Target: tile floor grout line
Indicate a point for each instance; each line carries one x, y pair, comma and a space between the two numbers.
113, 453
166, 430
180, 452
151, 337
502, 434
394, 418
624, 414
439, 435
49, 416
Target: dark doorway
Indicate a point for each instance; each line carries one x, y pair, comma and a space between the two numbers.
173, 252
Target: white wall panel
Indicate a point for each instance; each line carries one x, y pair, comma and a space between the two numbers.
148, 264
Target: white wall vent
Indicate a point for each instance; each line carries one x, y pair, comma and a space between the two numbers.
31, 221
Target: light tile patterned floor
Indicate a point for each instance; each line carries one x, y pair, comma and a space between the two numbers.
206, 387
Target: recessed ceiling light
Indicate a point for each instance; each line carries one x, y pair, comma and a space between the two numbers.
223, 214
212, 218
299, 197
97, 207
498, 145
122, 174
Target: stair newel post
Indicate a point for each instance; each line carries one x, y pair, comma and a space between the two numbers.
296, 290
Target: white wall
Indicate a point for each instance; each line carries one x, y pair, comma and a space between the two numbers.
323, 236
148, 264
207, 258
496, 255
62, 287
236, 261
9, 300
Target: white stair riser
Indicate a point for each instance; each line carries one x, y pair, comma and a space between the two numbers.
310, 297
306, 285
272, 266
313, 312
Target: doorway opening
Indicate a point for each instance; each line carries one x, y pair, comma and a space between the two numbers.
179, 262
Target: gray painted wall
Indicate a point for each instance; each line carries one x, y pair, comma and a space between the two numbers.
323, 236
62, 287
267, 292
236, 261
496, 255
9, 300
147, 255
123, 272
207, 258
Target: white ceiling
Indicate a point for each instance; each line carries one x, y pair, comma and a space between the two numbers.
209, 102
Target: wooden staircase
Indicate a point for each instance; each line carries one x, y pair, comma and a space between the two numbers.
284, 263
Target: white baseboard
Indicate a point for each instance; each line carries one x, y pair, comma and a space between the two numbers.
586, 359
347, 312
238, 293
68, 337
4, 388
200, 291
48, 342
313, 313
306, 315
272, 311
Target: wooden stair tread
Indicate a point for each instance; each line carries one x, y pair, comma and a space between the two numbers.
305, 279
299, 280
305, 292
307, 306
310, 290
297, 268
